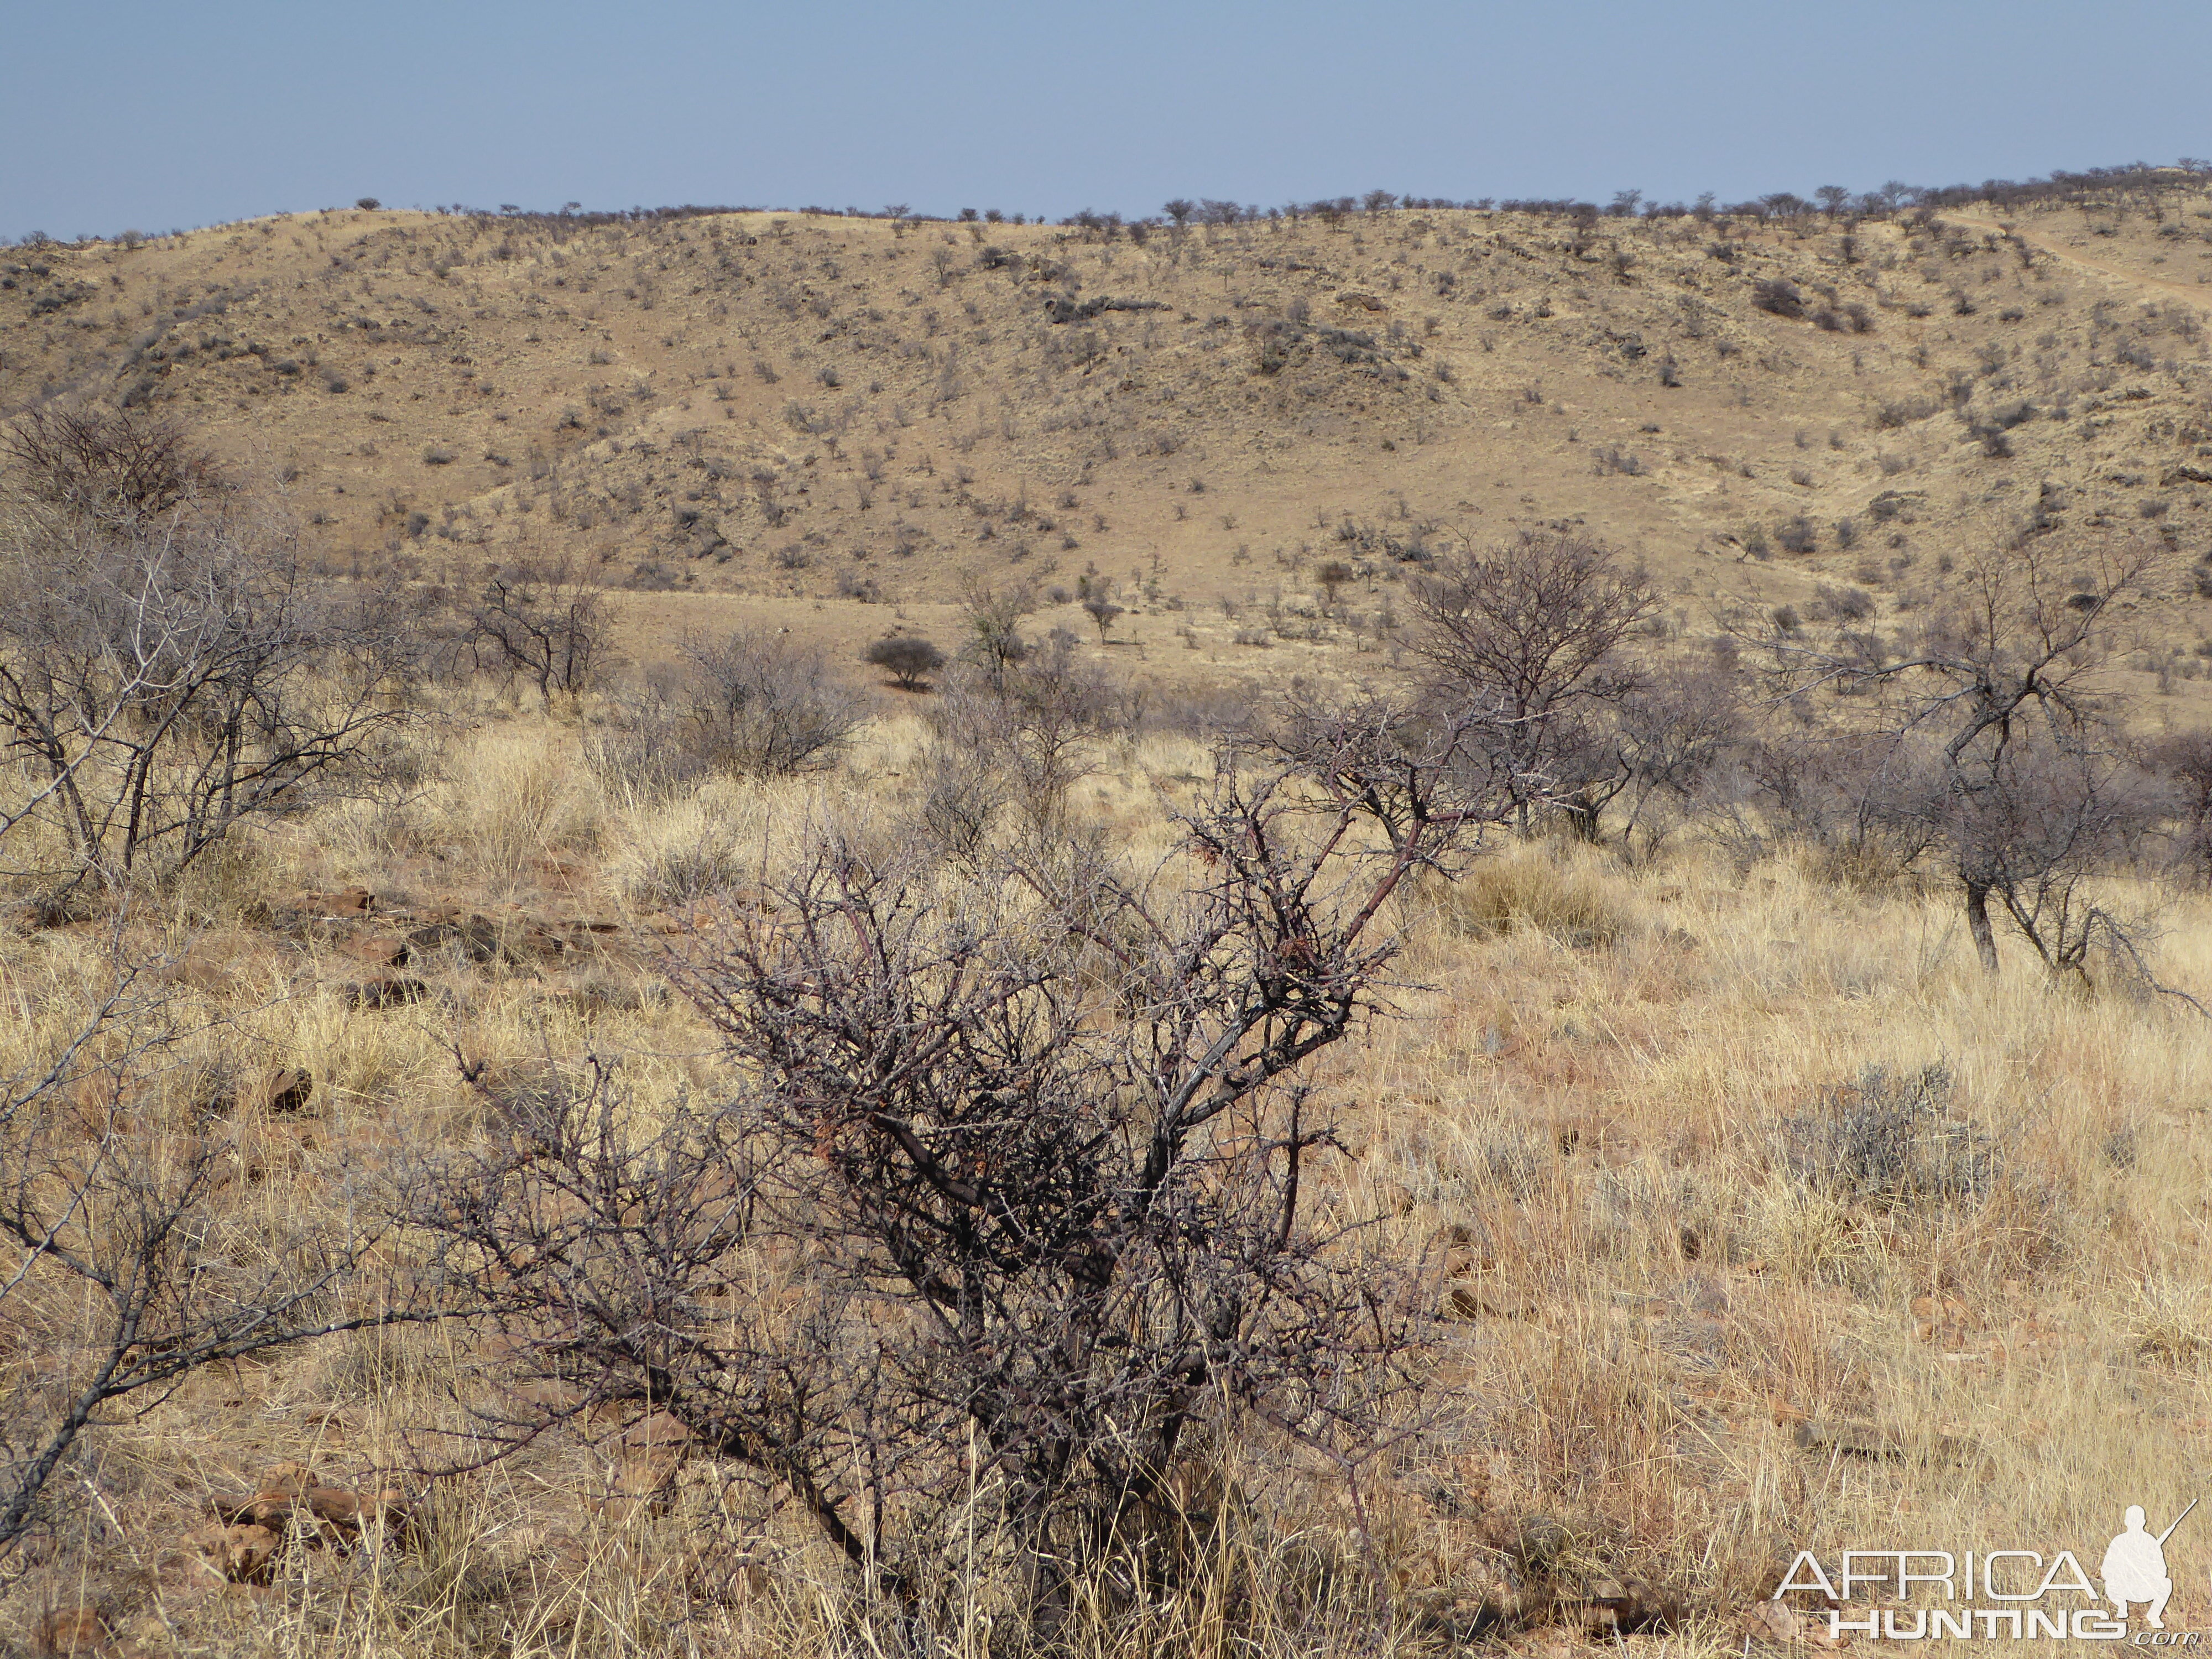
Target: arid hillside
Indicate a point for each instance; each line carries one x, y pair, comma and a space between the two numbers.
1514, 918
856, 413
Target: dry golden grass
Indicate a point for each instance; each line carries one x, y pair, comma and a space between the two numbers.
1587, 1110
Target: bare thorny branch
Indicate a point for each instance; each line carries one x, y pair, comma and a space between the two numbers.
1018, 1160
131, 1272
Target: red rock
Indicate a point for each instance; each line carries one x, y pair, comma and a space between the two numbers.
72, 1630
378, 950
350, 901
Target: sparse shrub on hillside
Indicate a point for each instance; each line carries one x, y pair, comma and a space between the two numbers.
907, 658
1777, 296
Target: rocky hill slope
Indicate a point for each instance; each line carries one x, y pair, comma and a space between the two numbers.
851, 412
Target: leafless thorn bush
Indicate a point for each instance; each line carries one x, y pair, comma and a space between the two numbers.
1994, 742
1524, 643
546, 623
166, 677
115, 468
1015, 1200
749, 704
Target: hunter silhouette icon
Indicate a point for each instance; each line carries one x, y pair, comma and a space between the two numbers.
2135, 1567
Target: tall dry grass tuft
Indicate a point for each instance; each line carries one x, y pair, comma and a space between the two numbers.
1558, 891
511, 794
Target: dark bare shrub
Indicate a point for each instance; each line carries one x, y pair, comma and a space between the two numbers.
1781, 298
113, 467
546, 623
1009, 1172
1524, 639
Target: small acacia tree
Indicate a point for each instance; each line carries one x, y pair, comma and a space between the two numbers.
1014, 1207
545, 621
168, 675
1522, 642
1991, 705
995, 644
1103, 612
907, 658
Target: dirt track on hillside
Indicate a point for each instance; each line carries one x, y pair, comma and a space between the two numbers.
2197, 296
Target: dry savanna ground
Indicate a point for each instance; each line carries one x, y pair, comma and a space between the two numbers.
1668, 1361
1737, 1210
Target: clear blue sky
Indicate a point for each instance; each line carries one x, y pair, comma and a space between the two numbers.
117, 116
